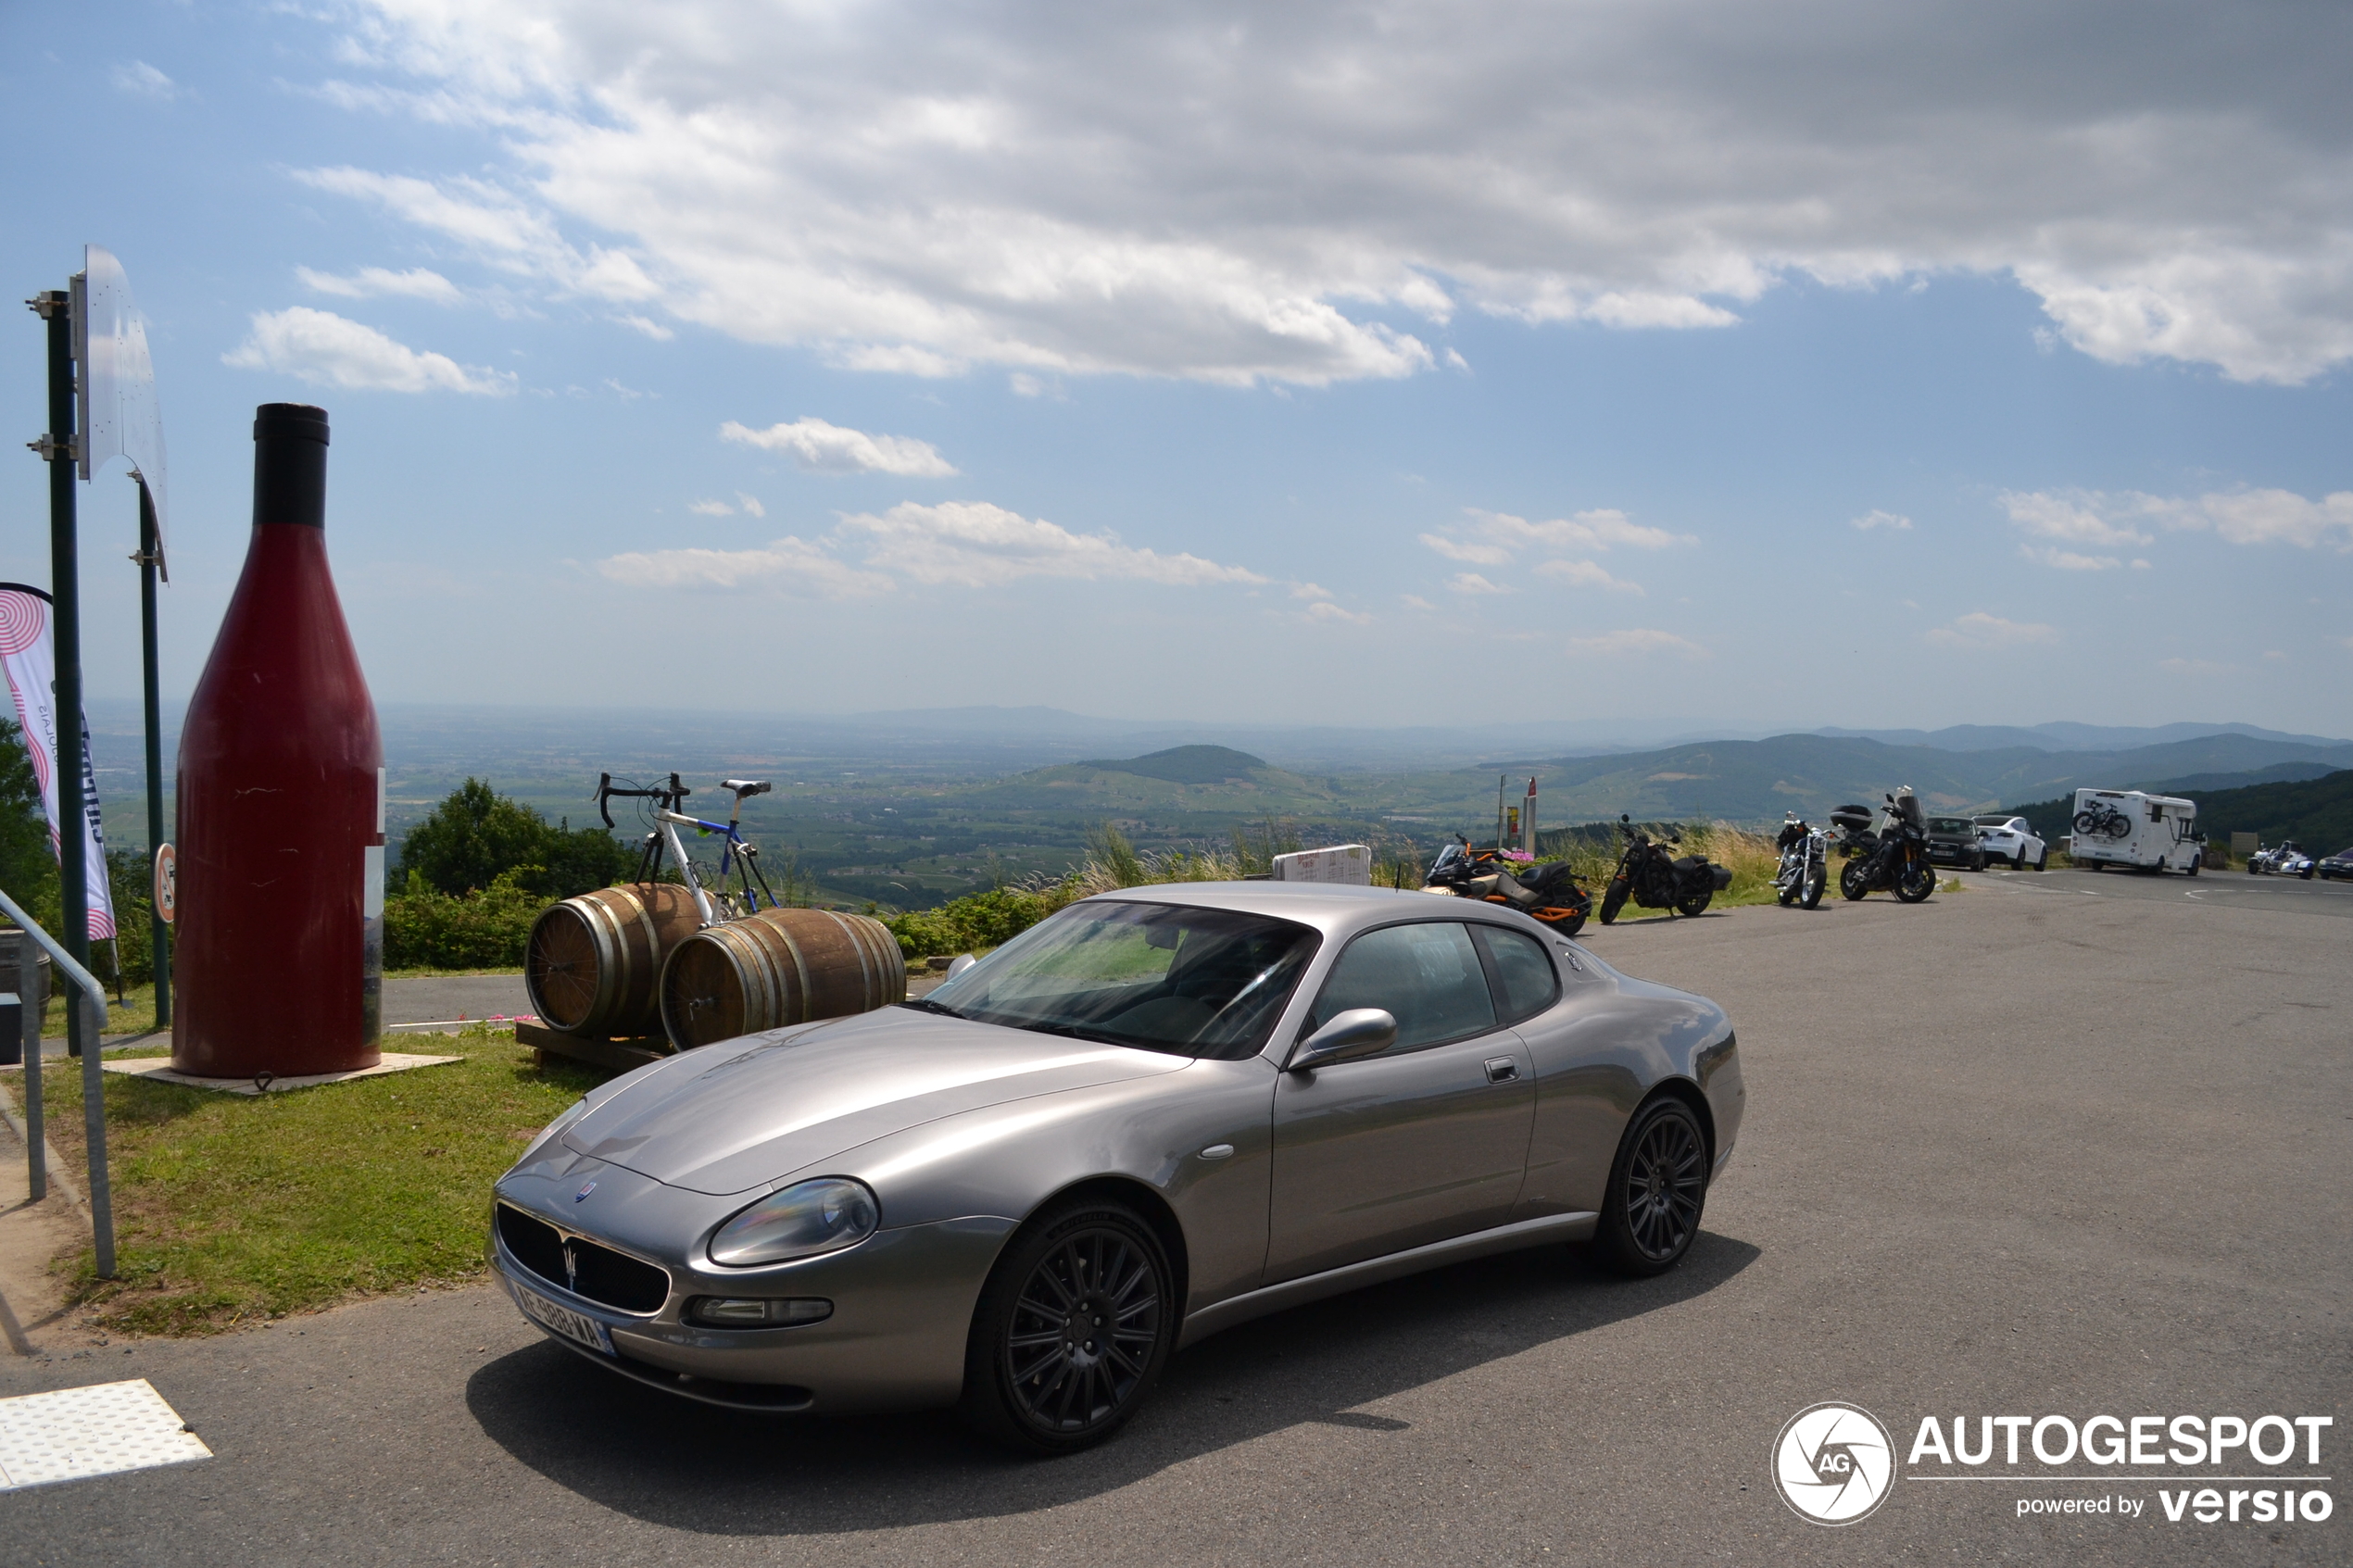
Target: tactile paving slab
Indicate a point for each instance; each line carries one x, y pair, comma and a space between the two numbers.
71, 1434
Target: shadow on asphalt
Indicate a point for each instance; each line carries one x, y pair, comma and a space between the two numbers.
693, 1467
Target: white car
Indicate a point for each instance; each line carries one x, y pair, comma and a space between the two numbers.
2011, 839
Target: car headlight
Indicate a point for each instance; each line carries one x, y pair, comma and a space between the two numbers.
807, 1218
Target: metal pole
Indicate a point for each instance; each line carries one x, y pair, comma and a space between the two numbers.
28, 1008
94, 1123
147, 560
65, 594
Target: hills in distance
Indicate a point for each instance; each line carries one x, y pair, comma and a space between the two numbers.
1738, 780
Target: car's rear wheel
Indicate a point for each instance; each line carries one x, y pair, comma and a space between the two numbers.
1657, 1190
1071, 1330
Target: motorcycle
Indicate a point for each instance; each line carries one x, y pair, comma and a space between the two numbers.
2102, 819
1682, 885
1806, 860
1851, 831
1898, 862
2286, 859
1548, 893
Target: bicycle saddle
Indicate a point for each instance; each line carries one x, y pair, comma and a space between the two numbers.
742, 787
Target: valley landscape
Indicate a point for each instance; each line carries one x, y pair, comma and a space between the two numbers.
905, 811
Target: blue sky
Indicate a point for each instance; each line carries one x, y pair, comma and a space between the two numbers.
1424, 365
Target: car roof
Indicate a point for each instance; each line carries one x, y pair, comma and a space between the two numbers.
1334, 908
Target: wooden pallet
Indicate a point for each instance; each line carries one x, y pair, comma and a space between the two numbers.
618, 1055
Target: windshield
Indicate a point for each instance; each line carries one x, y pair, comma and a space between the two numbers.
1961, 825
1202, 983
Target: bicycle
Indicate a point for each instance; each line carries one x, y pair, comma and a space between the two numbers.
2102, 818
716, 904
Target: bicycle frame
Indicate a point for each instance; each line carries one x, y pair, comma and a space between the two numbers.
668, 820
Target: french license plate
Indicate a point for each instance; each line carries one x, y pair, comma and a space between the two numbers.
561, 1319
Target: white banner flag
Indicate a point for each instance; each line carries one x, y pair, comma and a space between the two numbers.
24, 651
119, 416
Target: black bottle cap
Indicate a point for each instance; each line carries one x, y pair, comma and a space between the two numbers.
290, 464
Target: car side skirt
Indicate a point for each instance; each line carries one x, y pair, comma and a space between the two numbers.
1235, 1309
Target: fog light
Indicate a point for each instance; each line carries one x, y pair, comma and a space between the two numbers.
732, 1311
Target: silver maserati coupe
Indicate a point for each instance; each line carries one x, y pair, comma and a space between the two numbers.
1158, 1113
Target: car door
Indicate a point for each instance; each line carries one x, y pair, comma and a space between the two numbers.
1425, 1141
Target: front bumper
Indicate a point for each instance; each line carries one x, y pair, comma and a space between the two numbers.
1957, 854
902, 1301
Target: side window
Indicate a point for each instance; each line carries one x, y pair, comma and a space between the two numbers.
1427, 976
1526, 981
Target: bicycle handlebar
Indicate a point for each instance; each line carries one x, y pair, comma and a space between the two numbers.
668, 799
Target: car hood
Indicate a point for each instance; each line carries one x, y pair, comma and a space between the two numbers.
728, 1118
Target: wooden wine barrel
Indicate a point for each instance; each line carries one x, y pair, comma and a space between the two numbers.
593, 965
774, 967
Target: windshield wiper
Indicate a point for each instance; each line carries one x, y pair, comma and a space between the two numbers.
1072, 1032
924, 1004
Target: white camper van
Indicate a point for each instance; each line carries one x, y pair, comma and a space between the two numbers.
2125, 827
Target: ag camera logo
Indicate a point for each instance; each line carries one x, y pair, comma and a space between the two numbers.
1833, 1463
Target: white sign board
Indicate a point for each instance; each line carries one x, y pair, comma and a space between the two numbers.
1349, 864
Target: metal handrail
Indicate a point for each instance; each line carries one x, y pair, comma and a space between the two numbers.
94, 1108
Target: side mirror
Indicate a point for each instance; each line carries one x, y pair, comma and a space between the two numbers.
1624, 818
1358, 1031
961, 965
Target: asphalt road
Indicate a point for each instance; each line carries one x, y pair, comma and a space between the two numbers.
2008, 1153
2235, 889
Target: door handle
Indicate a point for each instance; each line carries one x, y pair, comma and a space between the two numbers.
1501, 1069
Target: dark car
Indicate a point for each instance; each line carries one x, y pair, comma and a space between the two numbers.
1952, 841
2336, 865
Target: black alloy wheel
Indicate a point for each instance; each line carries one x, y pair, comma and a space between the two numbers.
1613, 900
1915, 883
2020, 864
1071, 1330
1852, 880
1695, 904
1657, 1189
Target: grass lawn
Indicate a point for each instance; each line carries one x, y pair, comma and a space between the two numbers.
230, 1208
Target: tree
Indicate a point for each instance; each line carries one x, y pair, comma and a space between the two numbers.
475, 837
28, 863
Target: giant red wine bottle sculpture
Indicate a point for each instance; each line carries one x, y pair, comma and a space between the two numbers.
281, 811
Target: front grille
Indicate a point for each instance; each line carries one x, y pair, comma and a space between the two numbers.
581, 1266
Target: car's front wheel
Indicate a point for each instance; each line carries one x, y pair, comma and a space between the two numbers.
1657, 1189
1072, 1327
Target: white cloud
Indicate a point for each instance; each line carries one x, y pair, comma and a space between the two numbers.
1309, 591
1500, 539
1467, 550
1618, 645
325, 349
1979, 629
748, 505
1245, 193
652, 328
2195, 667
789, 566
972, 544
2239, 517
1415, 601
2068, 561
1596, 530
143, 80
418, 282
2076, 517
1324, 610
1876, 518
1587, 574
820, 448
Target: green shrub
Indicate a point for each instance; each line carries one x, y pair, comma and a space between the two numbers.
475, 837
428, 929
973, 921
